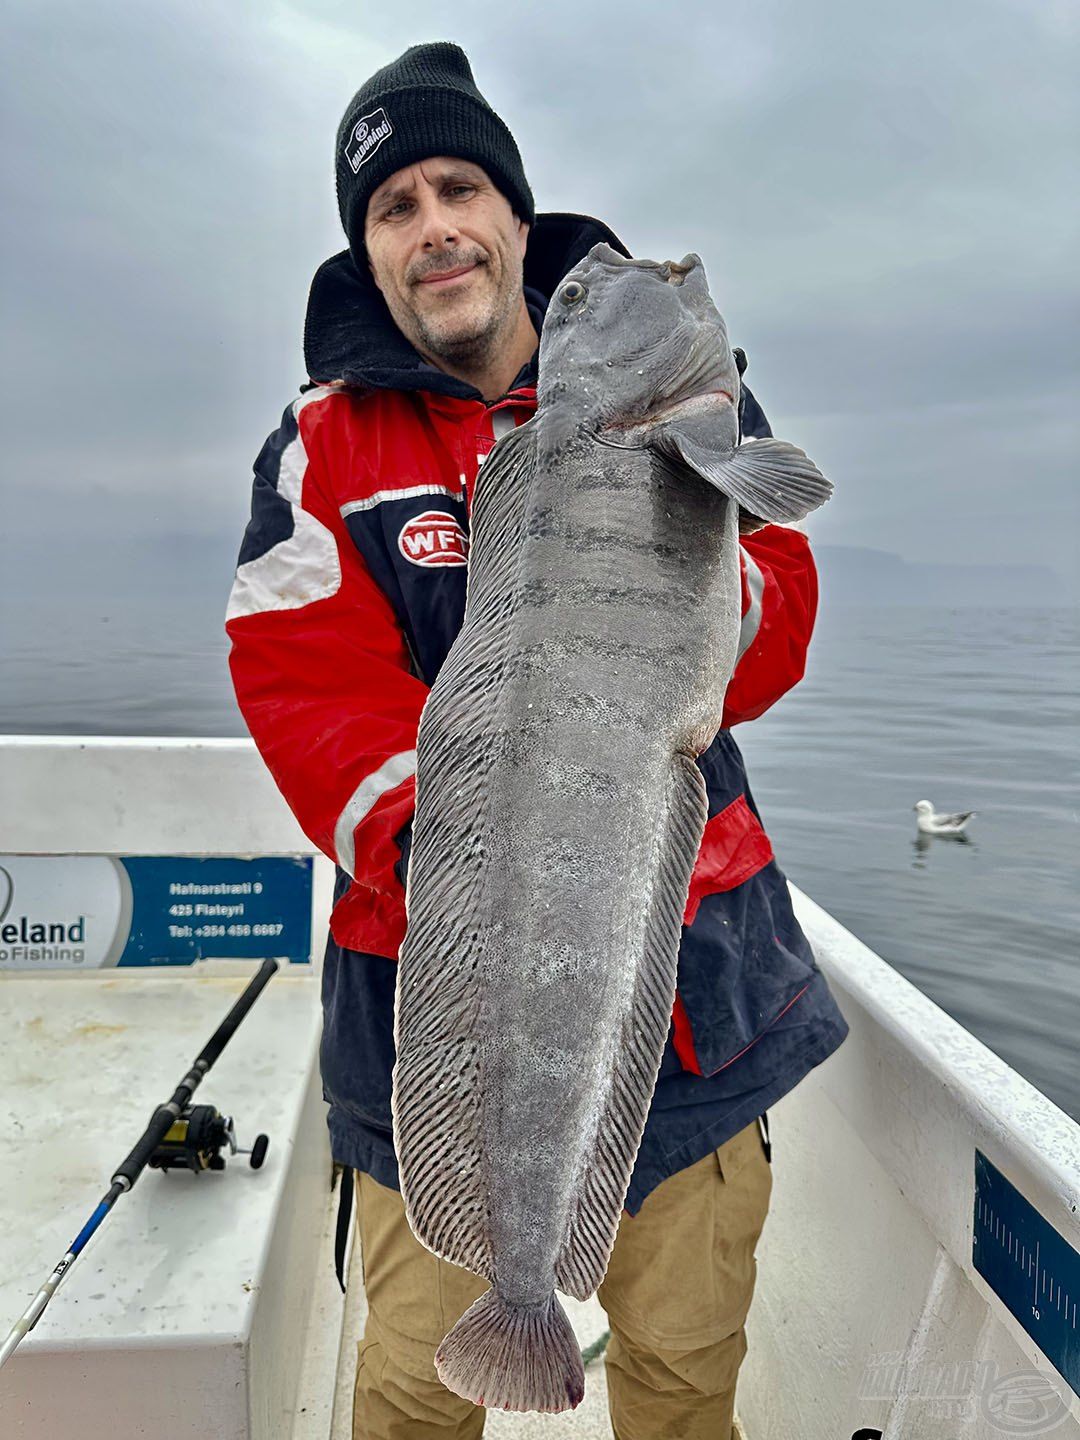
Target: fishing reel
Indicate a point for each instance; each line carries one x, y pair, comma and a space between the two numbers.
197, 1139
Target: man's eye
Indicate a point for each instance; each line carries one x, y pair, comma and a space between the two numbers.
398, 209
461, 189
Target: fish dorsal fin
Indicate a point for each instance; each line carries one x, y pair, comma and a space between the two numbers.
437, 1116
770, 478
611, 1150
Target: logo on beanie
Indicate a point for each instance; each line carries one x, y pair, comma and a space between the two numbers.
366, 136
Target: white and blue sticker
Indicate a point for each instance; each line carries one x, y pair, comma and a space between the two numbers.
93, 912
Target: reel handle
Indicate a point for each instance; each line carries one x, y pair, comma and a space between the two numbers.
257, 1151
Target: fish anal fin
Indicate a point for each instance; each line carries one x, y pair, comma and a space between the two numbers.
610, 1154
436, 1134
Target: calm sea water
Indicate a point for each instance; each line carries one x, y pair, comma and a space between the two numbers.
974, 710
971, 709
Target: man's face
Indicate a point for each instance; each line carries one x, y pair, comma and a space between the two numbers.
446, 251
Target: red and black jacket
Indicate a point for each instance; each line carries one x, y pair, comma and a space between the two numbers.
349, 592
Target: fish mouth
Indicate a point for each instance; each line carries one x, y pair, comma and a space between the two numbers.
630, 431
700, 404
672, 272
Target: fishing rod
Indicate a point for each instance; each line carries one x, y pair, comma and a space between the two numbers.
178, 1134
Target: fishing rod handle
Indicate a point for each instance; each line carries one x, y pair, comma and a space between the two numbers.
163, 1118
225, 1031
161, 1122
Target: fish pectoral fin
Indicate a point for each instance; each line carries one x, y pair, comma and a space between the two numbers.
773, 480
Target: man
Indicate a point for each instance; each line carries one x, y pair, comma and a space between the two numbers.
421, 339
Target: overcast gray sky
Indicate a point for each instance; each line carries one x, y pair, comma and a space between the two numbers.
884, 197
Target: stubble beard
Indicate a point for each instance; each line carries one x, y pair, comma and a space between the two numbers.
473, 341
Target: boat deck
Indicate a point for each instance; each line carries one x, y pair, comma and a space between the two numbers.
919, 1272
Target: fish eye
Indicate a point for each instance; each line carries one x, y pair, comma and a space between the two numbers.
572, 292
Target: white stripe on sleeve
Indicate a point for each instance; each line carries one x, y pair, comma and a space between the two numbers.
751, 621
305, 567
409, 492
502, 422
389, 774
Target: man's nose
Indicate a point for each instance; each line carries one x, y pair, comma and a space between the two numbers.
438, 224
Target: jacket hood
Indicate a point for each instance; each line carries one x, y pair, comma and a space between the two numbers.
349, 333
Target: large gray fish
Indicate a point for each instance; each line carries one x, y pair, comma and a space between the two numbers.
559, 809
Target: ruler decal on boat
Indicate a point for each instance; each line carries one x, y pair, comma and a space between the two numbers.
92, 912
1030, 1266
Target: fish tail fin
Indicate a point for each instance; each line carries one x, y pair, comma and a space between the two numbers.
512, 1357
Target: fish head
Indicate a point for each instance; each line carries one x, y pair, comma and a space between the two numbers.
629, 346
635, 355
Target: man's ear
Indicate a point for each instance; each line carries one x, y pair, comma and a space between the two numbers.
523, 234
374, 276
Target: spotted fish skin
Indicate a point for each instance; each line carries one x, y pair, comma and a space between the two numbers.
603, 688
559, 809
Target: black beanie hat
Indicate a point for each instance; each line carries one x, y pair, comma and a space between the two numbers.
424, 103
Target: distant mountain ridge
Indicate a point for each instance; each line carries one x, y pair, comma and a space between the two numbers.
198, 569
854, 575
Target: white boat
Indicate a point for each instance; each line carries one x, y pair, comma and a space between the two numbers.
919, 1273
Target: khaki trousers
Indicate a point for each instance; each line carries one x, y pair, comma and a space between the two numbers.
676, 1292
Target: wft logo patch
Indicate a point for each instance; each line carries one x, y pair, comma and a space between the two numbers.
434, 538
368, 134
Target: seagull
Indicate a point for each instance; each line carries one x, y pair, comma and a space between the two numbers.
931, 823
